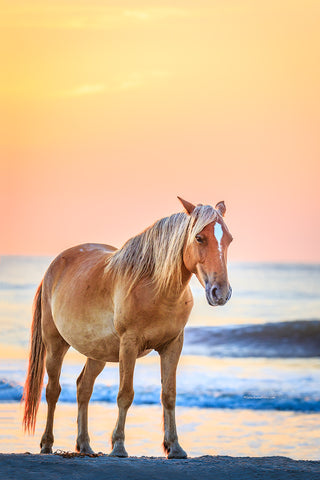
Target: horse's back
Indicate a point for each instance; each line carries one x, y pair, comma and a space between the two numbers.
81, 257
80, 252
77, 265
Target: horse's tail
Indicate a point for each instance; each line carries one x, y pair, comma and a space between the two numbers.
34, 381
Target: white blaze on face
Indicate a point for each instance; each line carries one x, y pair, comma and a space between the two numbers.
218, 233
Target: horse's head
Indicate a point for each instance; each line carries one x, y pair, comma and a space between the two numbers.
205, 251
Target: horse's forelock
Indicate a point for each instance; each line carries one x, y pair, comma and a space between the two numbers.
200, 218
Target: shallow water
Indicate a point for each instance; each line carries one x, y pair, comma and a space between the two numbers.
201, 431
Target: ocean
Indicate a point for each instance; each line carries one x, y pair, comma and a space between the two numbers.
258, 353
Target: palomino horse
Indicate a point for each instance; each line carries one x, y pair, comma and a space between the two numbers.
118, 305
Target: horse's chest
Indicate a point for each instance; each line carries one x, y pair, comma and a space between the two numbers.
158, 326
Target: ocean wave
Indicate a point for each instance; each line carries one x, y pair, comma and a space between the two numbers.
201, 398
10, 391
294, 339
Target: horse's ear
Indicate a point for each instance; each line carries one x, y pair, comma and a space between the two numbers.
221, 208
187, 205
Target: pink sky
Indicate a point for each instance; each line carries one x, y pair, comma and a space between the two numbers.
110, 112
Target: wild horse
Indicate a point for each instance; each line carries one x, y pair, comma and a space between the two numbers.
118, 305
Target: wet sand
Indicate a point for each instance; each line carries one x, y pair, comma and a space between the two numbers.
53, 467
223, 432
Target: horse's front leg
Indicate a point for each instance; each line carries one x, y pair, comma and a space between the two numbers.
169, 357
127, 359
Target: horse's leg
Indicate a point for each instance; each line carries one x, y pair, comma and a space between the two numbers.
56, 350
169, 357
127, 359
85, 383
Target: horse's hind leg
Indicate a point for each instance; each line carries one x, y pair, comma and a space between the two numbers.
56, 347
85, 383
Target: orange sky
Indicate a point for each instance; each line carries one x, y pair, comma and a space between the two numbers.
111, 109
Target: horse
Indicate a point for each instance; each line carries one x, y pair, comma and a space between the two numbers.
117, 305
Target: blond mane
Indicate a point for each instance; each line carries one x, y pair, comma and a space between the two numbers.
155, 254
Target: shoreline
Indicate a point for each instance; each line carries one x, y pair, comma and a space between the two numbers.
35, 467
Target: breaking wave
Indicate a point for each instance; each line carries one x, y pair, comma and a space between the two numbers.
201, 397
294, 339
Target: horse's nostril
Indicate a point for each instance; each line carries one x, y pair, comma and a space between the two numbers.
214, 292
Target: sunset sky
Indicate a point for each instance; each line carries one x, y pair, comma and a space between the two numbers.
110, 109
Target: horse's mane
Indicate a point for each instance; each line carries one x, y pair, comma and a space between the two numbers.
156, 253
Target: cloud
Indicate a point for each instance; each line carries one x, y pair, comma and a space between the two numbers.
139, 79
137, 14
160, 73
85, 90
132, 81
73, 16
159, 13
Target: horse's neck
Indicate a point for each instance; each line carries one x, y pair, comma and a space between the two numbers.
185, 276
176, 291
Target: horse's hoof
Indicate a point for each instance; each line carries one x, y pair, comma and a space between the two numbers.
175, 451
85, 449
118, 451
46, 450
181, 454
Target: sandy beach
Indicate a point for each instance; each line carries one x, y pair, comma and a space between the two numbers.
34, 467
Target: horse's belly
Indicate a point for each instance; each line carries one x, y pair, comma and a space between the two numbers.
95, 338
105, 349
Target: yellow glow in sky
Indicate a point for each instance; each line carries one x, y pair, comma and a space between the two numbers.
111, 109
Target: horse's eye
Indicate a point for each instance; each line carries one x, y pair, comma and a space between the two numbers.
199, 239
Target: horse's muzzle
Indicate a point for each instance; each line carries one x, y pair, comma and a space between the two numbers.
215, 296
